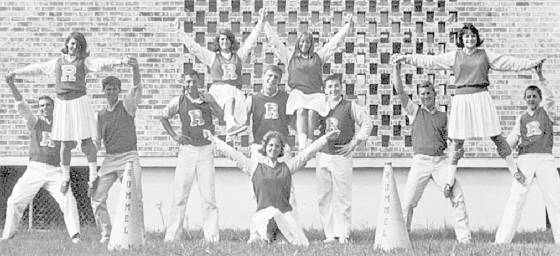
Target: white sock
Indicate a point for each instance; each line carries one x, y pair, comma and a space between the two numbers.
92, 171
65, 172
510, 163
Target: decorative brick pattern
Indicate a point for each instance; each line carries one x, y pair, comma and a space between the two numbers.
34, 31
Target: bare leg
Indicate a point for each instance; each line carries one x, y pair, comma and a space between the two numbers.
65, 157
311, 124
504, 150
455, 153
91, 154
301, 126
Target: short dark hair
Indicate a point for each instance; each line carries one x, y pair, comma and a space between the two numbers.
427, 84
111, 80
334, 77
271, 135
533, 88
230, 36
46, 97
466, 28
192, 73
273, 68
81, 46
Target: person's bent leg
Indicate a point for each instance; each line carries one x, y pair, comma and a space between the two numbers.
65, 157
418, 177
99, 204
504, 150
66, 202
456, 152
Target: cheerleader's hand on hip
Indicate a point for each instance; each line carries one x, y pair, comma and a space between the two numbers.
347, 149
182, 139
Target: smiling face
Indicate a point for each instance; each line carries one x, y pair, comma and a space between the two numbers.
190, 86
112, 91
273, 148
305, 43
46, 107
469, 39
532, 99
224, 42
333, 89
271, 79
72, 45
427, 97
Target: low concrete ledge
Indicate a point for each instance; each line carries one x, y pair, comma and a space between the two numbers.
220, 162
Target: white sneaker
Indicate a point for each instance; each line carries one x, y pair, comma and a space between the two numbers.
343, 240
76, 240
329, 240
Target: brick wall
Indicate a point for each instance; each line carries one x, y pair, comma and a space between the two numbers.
34, 31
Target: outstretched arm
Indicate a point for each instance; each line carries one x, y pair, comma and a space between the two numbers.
103, 64
409, 107
44, 68
329, 48
134, 95
442, 61
504, 62
251, 40
246, 165
548, 102
299, 161
283, 53
22, 106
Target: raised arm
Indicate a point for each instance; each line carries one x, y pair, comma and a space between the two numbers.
299, 160
442, 61
327, 51
251, 40
21, 105
44, 68
409, 107
134, 95
167, 113
282, 51
202, 53
548, 102
246, 165
502, 62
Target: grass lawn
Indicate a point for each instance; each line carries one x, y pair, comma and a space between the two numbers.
233, 242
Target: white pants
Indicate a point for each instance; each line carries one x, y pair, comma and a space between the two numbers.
106, 180
222, 92
425, 168
334, 189
539, 167
40, 175
194, 162
255, 154
286, 222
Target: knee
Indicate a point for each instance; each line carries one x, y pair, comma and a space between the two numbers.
88, 147
68, 145
502, 146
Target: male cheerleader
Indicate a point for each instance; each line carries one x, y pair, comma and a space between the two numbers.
267, 112
196, 156
225, 66
116, 128
429, 135
334, 162
43, 169
533, 137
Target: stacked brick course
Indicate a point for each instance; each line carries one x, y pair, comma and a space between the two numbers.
34, 31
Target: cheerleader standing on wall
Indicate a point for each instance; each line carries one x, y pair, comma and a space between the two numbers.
73, 117
272, 181
305, 69
473, 113
225, 70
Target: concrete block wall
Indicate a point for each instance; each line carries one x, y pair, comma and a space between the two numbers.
34, 31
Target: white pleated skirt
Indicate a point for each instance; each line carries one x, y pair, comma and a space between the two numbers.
222, 92
314, 101
473, 116
73, 120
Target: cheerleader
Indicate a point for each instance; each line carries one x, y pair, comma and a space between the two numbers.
473, 113
225, 64
271, 184
305, 68
74, 118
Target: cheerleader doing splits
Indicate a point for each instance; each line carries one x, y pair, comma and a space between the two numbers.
73, 118
272, 183
305, 69
473, 113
